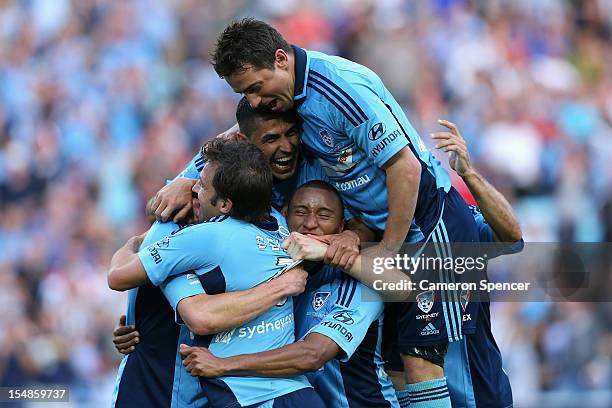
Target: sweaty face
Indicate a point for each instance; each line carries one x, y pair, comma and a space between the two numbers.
264, 87
203, 206
278, 140
315, 211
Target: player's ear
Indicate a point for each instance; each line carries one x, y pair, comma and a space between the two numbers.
226, 206
240, 136
281, 59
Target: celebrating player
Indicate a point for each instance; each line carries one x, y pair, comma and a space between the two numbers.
499, 227
374, 157
339, 319
236, 172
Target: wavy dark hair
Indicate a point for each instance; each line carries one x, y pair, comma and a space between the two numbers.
244, 44
243, 175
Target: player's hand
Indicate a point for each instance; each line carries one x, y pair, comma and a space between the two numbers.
452, 142
200, 362
125, 337
174, 198
293, 280
300, 246
232, 133
343, 249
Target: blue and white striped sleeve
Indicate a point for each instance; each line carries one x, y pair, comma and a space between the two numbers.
193, 168
361, 114
350, 317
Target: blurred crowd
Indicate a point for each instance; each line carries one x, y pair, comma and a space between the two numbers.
101, 101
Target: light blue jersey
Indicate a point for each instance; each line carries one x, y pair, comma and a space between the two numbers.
231, 255
350, 314
153, 374
353, 125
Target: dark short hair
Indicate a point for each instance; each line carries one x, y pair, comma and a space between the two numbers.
246, 116
247, 43
321, 185
243, 176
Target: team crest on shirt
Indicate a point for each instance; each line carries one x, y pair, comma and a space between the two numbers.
164, 243
327, 138
319, 299
425, 301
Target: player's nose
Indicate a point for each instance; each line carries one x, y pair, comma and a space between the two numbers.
310, 222
253, 100
285, 145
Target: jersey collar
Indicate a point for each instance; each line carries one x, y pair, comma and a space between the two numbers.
302, 63
268, 223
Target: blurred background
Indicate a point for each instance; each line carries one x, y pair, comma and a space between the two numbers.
102, 100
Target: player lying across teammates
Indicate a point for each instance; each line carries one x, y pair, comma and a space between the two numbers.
391, 187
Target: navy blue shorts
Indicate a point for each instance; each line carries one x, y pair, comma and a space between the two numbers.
436, 316
489, 380
305, 397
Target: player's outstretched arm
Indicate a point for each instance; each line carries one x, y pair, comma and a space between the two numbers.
311, 248
297, 358
209, 314
496, 210
126, 270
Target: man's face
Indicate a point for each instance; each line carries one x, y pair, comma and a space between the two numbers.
278, 140
265, 87
203, 206
315, 211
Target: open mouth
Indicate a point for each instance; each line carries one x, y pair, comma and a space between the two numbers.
283, 164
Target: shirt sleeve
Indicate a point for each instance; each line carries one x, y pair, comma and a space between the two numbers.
491, 248
367, 120
189, 249
180, 287
193, 168
351, 316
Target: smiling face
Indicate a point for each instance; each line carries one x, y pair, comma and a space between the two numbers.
315, 211
272, 88
278, 140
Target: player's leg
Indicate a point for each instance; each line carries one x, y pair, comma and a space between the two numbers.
458, 237
490, 383
458, 375
421, 346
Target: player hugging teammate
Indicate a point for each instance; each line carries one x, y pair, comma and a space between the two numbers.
218, 317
